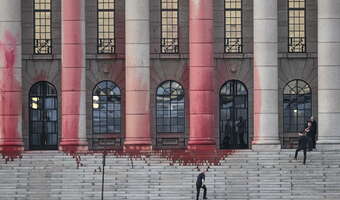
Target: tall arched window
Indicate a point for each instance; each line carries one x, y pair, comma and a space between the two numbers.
106, 116
297, 105
170, 108
234, 115
43, 116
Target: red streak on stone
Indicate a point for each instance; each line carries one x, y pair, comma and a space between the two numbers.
201, 74
173, 156
10, 100
73, 64
9, 52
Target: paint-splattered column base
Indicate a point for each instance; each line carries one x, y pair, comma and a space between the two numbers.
73, 145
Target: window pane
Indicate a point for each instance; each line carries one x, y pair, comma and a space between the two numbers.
296, 26
297, 105
170, 107
105, 27
169, 26
42, 27
106, 115
233, 26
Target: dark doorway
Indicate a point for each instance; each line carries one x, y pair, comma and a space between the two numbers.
234, 116
43, 117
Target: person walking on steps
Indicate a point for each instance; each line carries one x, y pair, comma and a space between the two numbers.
200, 183
303, 143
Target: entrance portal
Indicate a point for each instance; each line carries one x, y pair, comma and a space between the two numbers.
234, 116
43, 117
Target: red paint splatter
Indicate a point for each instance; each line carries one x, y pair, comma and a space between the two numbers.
173, 156
10, 100
201, 61
72, 60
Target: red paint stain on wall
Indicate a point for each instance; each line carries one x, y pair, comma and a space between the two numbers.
73, 66
10, 99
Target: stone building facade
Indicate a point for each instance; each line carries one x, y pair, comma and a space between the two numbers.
264, 67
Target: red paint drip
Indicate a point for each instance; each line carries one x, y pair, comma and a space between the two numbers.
10, 153
183, 157
11, 144
9, 51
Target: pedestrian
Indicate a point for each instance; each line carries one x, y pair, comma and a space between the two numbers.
200, 183
303, 141
309, 134
241, 129
313, 131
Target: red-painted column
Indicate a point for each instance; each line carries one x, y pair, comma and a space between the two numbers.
73, 76
137, 74
201, 74
10, 76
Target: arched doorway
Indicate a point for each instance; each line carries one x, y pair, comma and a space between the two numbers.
43, 116
170, 114
297, 110
234, 116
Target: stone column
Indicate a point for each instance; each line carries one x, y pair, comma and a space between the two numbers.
73, 77
137, 74
329, 73
266, 129
201, 74
10, 76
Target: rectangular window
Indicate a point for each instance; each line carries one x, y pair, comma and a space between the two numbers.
296, 26
42, 27
169, 26
106, 27
233, 26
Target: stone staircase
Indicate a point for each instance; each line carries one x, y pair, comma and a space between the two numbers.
243, 175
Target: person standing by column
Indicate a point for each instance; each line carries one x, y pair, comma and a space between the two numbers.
313, 131
241, 128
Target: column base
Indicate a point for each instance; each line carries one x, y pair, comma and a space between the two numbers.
73, 145
14, 145
202, 147
137, 147
326, 145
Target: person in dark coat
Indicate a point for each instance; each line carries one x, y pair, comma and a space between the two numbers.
310, 135
200, 184
227, 134
303, 143
313, 132
241, 126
